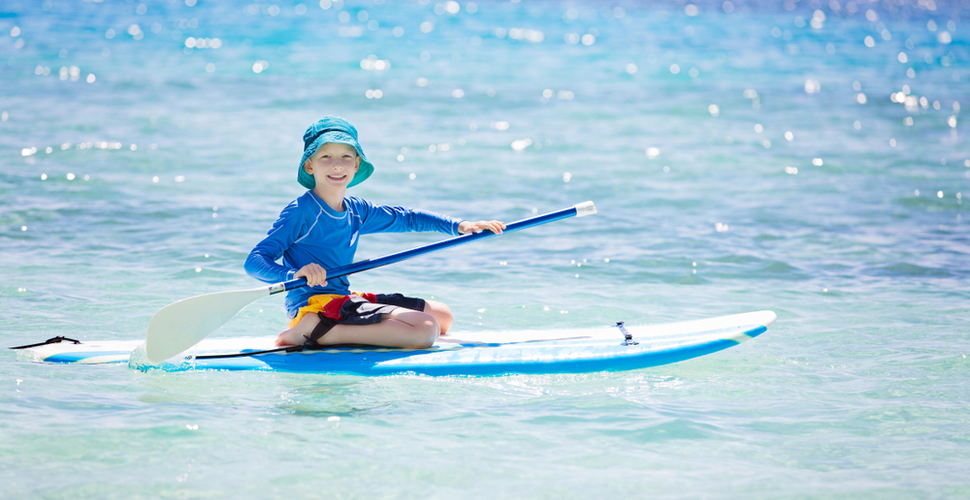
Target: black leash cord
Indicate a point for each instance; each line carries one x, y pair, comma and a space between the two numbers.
59, 339
296, 348
52, 340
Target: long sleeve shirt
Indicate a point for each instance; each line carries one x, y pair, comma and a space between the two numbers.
308, 230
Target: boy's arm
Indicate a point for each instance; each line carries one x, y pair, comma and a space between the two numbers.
261, 263
385, 219
388, 219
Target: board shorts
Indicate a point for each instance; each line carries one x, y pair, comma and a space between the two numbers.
355, 309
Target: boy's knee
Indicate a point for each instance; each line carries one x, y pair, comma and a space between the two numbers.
427, 332
441, 312
445, 312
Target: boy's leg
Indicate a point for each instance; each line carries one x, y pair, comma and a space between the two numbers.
441, 312
400, 328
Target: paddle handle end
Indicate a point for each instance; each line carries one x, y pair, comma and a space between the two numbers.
585, 208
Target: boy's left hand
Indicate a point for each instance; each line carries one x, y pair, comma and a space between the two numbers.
495, 226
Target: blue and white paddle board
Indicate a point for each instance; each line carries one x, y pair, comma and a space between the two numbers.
481, 353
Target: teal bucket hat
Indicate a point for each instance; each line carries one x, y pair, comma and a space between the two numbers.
337, 130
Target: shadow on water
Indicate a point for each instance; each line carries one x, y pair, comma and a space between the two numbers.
907, 270
342, 398
678, 428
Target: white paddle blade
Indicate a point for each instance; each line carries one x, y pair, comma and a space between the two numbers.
180, 325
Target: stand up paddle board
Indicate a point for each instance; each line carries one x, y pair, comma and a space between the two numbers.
484, 353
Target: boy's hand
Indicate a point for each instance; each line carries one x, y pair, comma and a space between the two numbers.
495, 226
315, 275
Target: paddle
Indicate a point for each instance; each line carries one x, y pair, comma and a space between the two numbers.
180, 325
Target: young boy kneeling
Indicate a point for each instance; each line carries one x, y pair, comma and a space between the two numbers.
320, 230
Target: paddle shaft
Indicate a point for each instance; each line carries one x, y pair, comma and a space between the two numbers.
579, 210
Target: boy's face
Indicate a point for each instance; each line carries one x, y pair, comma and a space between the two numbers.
333, 165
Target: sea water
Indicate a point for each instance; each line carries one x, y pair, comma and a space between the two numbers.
805, 157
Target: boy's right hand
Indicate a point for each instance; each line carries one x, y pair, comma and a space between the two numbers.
314, 274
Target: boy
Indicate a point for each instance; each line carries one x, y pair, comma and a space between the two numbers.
319, 230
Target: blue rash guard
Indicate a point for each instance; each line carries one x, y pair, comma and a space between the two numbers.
308, 230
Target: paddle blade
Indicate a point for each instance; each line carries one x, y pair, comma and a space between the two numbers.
180, 325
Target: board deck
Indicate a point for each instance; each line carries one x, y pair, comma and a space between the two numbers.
480, 353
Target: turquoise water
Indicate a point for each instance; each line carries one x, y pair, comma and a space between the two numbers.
159, 165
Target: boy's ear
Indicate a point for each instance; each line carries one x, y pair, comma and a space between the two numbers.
307, 168
357, 164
